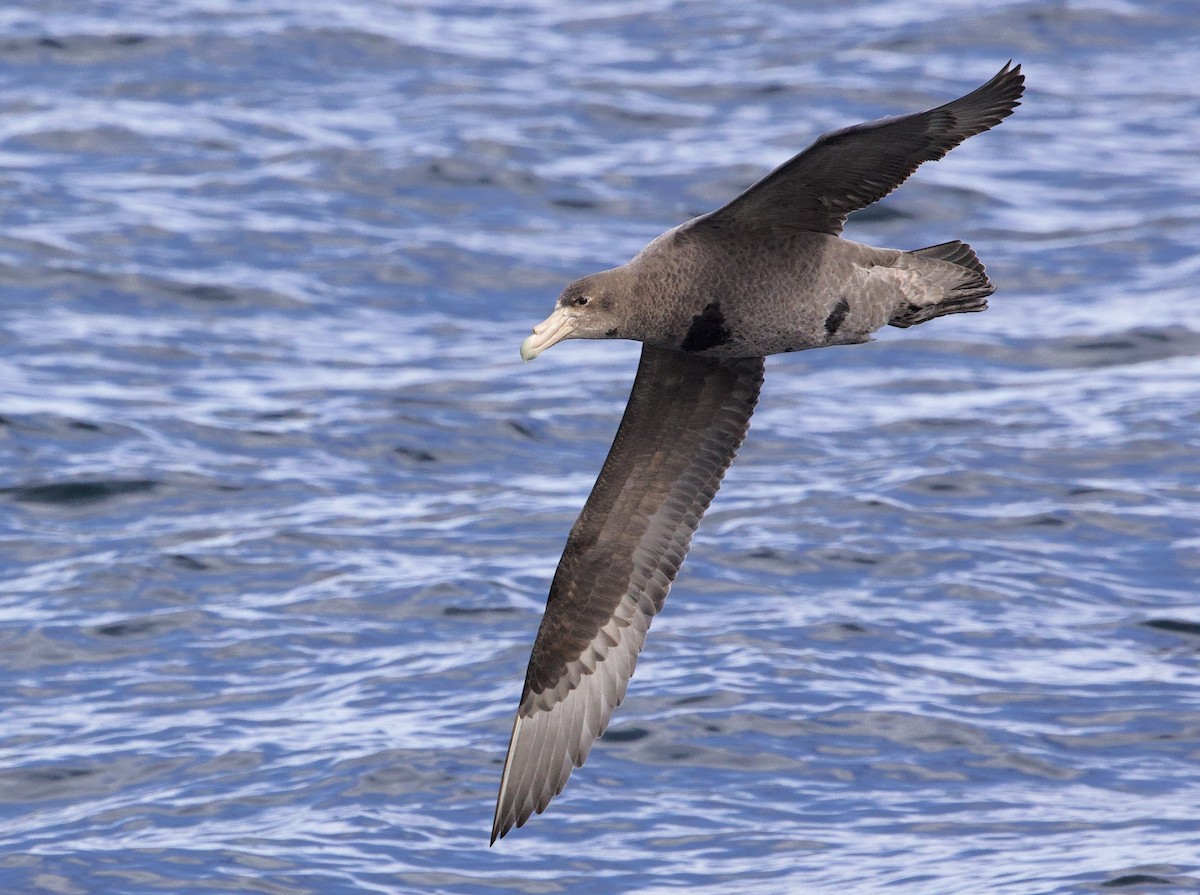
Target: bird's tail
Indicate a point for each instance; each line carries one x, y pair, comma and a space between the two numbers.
957, 271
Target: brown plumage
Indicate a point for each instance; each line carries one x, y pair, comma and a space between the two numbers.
764, 274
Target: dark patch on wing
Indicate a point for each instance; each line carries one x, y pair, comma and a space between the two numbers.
708, 330
837, 316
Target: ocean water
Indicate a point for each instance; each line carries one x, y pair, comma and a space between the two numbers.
279, 504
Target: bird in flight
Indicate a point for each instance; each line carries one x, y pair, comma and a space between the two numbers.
767, 273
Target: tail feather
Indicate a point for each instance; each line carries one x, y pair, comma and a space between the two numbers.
959, 273
956, 252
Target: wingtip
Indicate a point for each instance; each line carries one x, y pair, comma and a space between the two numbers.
501, 820
1011, 74
507, 813
1003, 93
501, 826
502, 823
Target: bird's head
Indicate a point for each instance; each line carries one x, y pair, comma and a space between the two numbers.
590, 308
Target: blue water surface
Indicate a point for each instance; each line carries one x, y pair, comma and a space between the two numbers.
279, 504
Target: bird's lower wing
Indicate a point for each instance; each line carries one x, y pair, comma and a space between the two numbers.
686, 418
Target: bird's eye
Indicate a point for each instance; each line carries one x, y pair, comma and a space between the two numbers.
582, 300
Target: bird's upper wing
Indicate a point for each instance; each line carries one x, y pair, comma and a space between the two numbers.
686, 418
848, 169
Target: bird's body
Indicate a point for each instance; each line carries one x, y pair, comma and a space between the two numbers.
783, 291
765, 274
